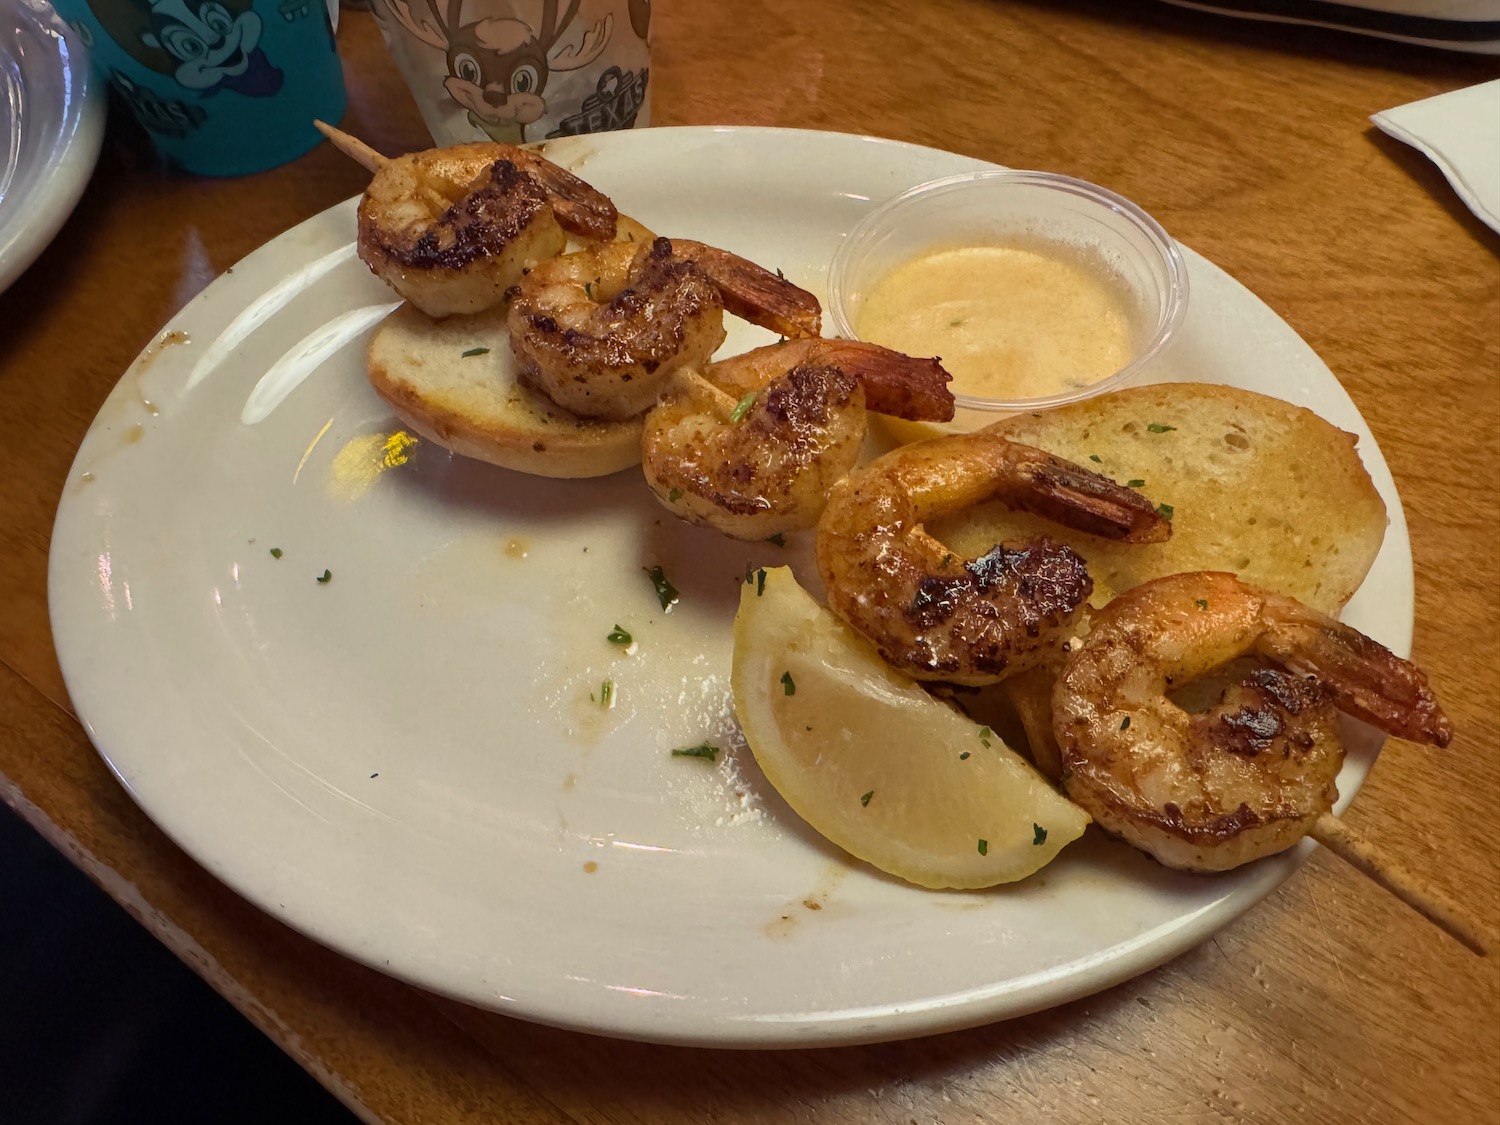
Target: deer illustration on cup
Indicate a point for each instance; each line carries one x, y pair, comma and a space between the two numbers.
498, 66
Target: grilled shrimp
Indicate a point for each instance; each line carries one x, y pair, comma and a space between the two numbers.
451, 229
753, 444
1250, 776
602, 331
937, 616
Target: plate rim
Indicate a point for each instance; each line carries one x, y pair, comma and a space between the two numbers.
52, 193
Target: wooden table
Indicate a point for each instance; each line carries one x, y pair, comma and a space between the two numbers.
1330, 1002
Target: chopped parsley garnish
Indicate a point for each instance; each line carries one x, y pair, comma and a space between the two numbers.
963, 756
778, 539
325, 577
865, 800
1096, 457
760, 580
788, 685
666, 593
702, 750
1038, 835
984, 847
475, 351
1135, 484
607, 694
1201, 603
780, 274
1165, 511
276, 552
588, 290
618, 636
1158, 428
1125, 723
674, 495
742, 407
984, 736
955, 323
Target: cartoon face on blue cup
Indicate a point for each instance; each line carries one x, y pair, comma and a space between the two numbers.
213, 47
224, 87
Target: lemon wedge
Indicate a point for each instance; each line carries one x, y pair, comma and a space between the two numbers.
874, 763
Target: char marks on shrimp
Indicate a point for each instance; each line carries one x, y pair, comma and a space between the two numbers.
1253, 773
451, 229
937, 616
480, 224
751, 445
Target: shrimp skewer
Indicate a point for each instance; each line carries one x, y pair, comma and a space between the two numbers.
451, 229
1251, 775
602, 331
752, 445
582, 210
1256, 772
937, 616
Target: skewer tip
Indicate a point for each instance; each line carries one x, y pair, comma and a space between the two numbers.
1360, 852
351, 146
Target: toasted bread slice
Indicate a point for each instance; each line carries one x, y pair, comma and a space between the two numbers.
472, 403
1255, 486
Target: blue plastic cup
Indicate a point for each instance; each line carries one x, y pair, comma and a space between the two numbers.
224, 87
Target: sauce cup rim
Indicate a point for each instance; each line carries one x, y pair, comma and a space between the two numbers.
1165, 258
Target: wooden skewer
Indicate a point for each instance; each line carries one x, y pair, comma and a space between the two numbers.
1357, 849
352, 147
372, 161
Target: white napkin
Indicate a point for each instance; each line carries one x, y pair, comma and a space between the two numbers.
1461, 133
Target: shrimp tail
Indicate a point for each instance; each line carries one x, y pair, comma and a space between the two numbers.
1367, 679
894, 383
1073, 496
580, 208
753, 293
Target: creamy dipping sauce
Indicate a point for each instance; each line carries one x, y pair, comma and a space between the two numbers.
1009, 322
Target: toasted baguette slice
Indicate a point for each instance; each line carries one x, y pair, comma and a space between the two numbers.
1256, 486
474, 406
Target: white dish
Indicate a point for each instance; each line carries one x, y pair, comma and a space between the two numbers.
51, 127
404, 762
1457, 25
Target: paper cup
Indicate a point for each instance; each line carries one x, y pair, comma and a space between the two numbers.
516, 71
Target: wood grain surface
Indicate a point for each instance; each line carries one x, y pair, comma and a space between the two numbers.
1328, 1003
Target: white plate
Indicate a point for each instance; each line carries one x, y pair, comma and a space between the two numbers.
521, 848
51, 127
1457, 25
